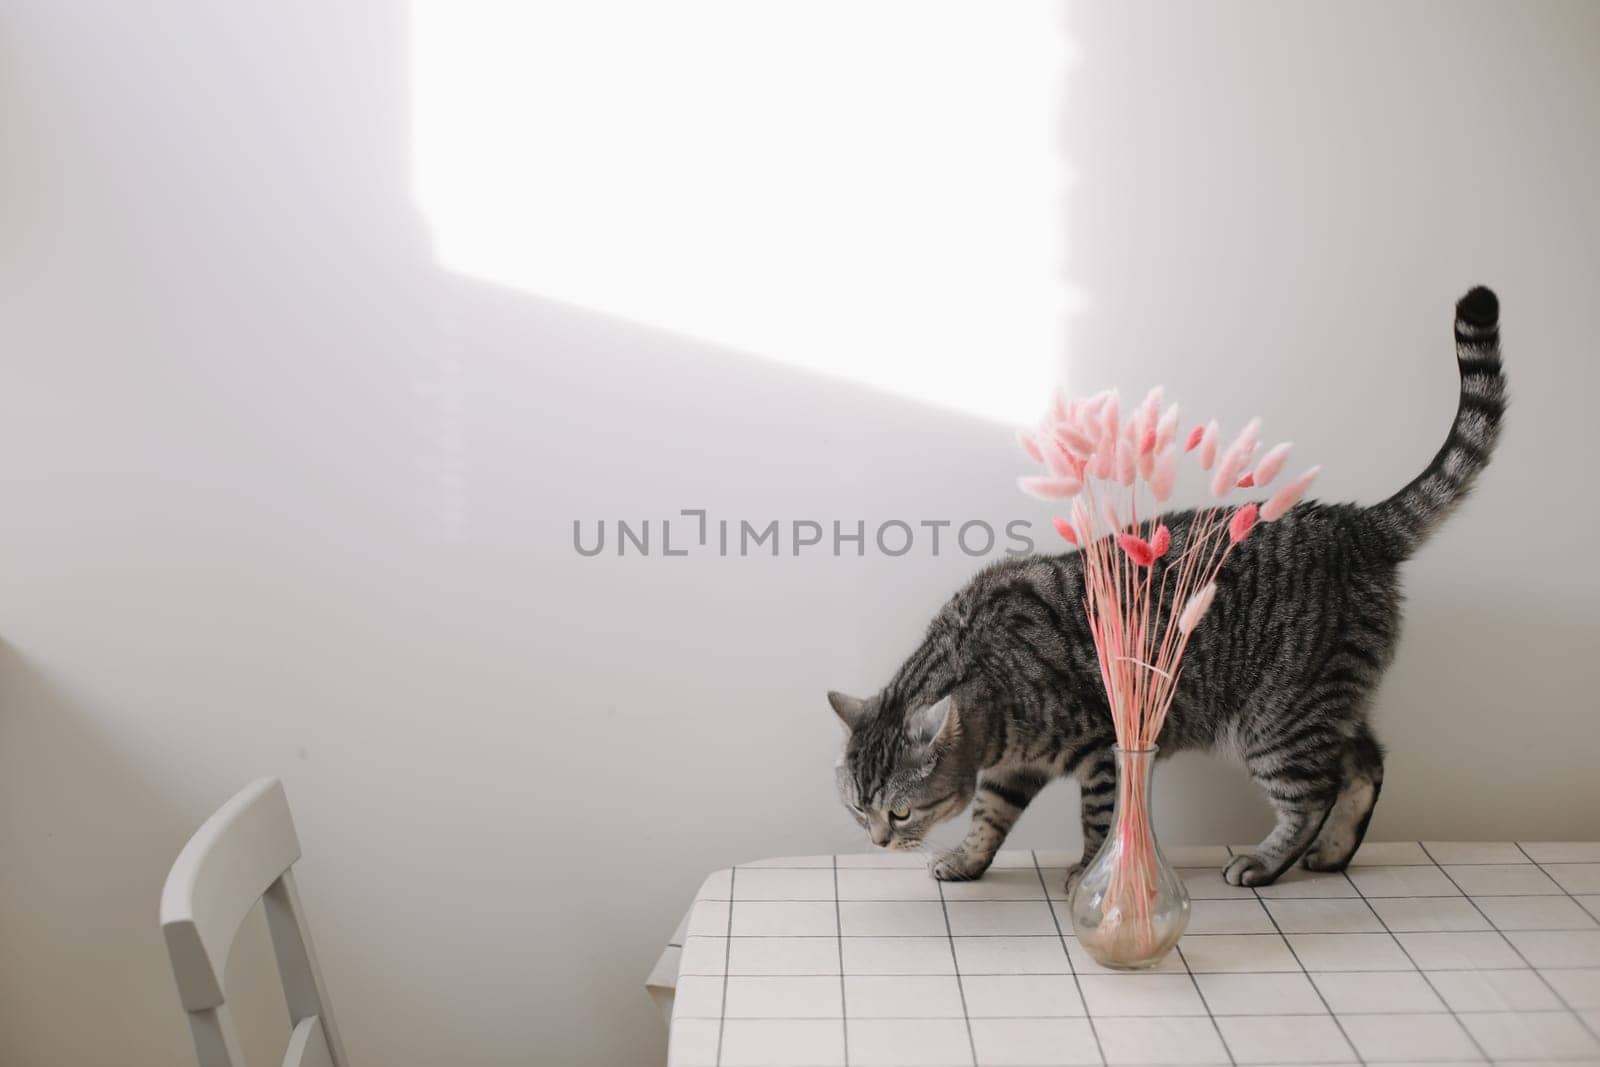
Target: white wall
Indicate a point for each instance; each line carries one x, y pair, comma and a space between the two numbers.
283, 497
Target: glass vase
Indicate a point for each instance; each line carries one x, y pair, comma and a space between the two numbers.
1129, 906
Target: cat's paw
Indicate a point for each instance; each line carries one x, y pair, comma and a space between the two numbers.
1074, 873
956, 865
1249, 869
1324, 858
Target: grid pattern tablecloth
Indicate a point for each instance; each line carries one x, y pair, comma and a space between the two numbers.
1421, 952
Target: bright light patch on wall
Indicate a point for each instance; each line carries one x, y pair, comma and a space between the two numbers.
863, 189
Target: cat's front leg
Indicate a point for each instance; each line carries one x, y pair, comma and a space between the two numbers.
1003, 794
1097, 792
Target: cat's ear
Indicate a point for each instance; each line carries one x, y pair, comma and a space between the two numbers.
937, 722
850, 710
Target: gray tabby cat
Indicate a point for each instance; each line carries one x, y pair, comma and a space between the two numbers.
1003, 694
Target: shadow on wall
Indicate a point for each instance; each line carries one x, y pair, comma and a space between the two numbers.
64, 847
296, 502
88, 841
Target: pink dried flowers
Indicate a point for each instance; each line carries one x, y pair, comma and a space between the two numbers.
1145, 591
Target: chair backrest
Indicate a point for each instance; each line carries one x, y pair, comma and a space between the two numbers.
240, 855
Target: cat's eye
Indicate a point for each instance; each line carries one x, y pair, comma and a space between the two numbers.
900, 814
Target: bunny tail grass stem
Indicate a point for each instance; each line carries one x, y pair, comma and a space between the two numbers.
1145, 591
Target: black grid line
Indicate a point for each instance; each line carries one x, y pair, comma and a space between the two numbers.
1490, 929
1512, 945
1034, 960
844, 1000
1593, 1032
727, 965
1198, 866
1430, 983
955, 961
1072, 968
1136, 1016
1273, 919
1520, 968
1265, 900
1195, 982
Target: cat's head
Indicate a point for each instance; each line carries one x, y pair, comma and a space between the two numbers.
904, 770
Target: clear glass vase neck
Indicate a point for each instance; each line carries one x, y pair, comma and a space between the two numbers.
1129, 907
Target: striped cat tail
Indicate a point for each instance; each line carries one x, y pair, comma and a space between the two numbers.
1409, 517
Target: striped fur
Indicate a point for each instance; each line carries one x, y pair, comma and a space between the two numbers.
1003, 695
1415, 512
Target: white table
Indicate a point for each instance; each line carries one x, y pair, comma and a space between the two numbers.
1421, 952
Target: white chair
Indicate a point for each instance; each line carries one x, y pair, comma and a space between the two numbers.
243, 854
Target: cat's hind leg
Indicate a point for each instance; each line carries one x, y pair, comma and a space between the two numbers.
1346, 825
1298, 767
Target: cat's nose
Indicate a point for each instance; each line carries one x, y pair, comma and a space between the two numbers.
880, 836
